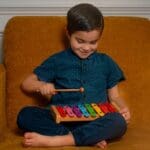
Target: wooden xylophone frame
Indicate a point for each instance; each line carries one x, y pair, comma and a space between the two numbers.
56, 115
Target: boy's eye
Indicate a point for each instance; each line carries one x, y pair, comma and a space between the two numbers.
80, 41
93, 42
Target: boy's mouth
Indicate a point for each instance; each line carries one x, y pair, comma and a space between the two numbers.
86, 52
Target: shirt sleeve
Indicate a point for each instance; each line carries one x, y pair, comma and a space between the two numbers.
115, 74
46, 71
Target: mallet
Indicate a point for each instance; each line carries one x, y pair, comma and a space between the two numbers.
70, 90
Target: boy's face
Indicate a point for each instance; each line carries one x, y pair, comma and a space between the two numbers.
84, 43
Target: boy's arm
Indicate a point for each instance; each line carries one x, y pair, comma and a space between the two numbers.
32, 84
115, 97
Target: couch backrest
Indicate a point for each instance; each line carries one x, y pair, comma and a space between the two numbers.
30, 40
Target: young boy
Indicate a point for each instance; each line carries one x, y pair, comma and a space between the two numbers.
78, 66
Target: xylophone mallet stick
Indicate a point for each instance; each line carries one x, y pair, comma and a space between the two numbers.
70, 90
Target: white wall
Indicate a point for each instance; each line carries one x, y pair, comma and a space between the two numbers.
10, 8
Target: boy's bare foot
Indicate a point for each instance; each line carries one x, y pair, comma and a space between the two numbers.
32, 139
102, 144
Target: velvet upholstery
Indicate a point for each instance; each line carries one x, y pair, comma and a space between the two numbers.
28, 40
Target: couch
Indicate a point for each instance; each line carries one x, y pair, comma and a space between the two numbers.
28, 40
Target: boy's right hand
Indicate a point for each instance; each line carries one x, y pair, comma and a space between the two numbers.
47, 89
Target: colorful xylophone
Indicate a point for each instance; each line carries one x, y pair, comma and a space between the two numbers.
81, 112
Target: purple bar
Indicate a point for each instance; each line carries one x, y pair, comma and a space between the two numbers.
77, 111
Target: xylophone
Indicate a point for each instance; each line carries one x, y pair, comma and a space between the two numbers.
81, 112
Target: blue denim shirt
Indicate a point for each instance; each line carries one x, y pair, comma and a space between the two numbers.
95, 74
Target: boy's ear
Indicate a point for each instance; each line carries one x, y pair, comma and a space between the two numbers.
67, 33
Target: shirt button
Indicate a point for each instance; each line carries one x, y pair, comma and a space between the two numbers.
84, 82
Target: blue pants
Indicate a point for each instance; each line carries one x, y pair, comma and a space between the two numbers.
35, 119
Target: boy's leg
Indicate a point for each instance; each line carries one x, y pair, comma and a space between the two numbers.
108, 127
41, 129
35, 119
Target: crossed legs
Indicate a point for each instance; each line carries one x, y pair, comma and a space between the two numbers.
41, 130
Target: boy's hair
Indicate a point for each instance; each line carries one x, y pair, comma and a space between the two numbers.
84, 17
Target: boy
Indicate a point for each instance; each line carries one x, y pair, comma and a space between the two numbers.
79, 65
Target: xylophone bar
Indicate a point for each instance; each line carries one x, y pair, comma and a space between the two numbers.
86, 112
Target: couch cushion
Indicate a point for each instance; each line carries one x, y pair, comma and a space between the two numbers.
137, 138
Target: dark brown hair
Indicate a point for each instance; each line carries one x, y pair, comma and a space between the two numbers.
84, 17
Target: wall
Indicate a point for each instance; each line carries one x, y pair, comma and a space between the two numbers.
10, 8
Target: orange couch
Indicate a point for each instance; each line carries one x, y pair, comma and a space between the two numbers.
30, 40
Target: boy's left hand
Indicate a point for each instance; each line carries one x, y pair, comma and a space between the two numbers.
126, 114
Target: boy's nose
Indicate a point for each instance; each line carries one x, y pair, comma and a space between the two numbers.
86, 48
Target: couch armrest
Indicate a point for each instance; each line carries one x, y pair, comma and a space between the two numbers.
2, 101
